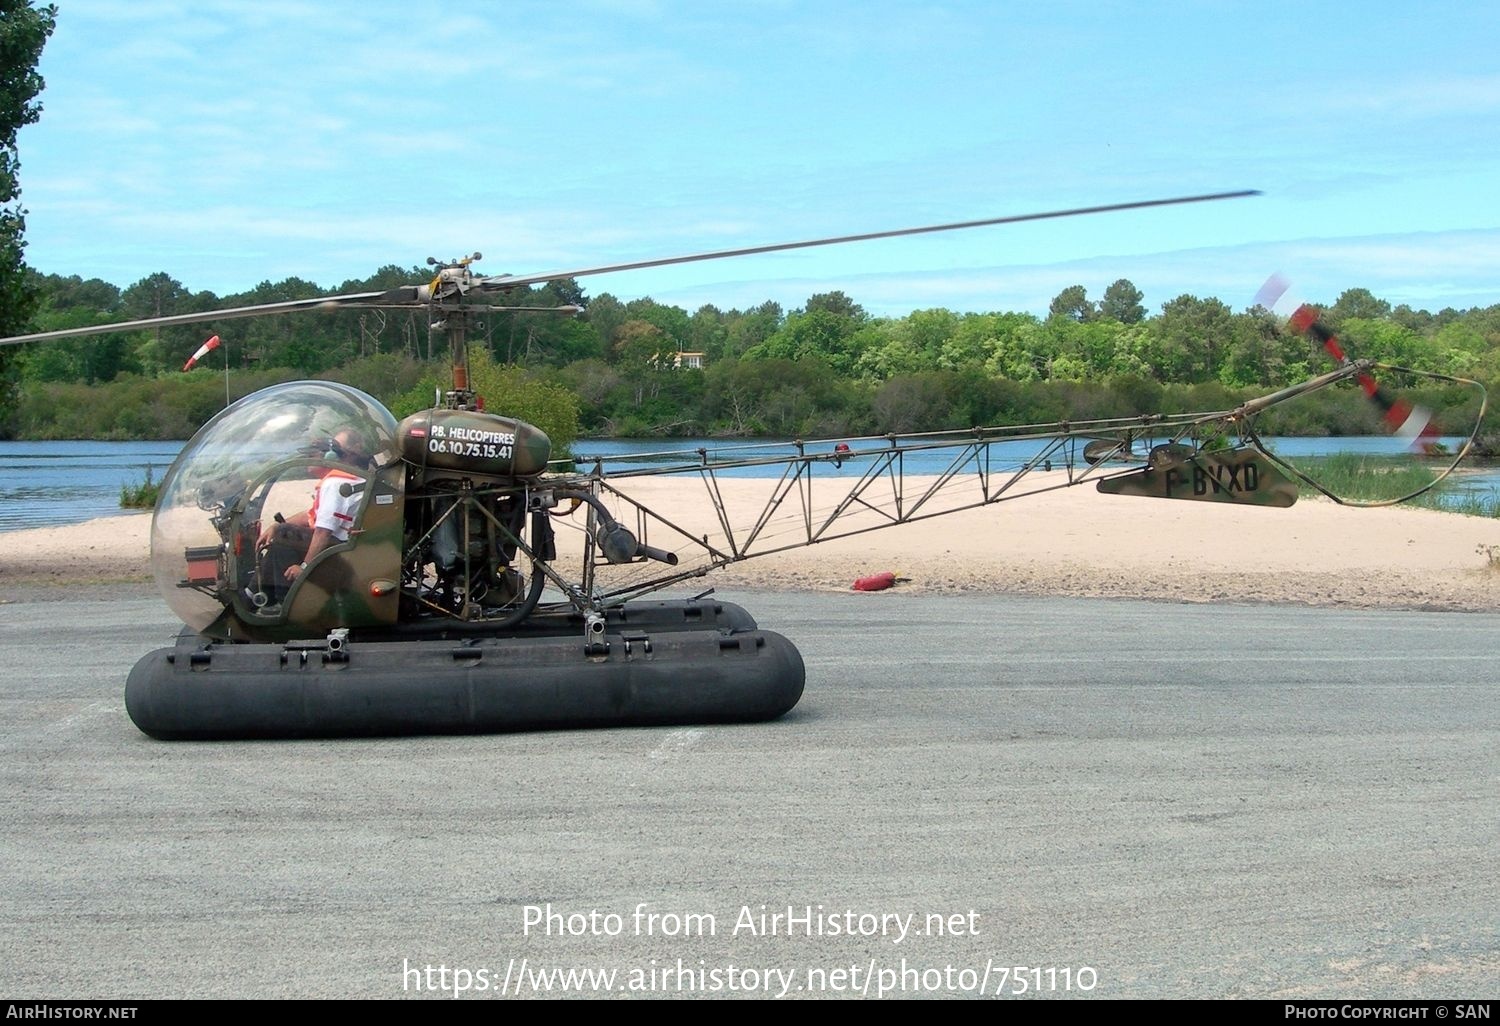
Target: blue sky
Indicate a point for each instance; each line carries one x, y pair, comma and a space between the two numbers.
231, 143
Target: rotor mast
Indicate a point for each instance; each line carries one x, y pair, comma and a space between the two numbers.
449, 314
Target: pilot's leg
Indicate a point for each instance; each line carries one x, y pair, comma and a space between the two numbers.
287, 548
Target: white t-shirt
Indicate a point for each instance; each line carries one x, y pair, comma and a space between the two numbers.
332, 510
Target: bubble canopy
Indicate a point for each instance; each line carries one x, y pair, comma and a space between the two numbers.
262, 434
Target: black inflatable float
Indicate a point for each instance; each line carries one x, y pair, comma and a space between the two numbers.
651, 664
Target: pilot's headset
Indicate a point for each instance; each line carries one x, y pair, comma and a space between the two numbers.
340, 454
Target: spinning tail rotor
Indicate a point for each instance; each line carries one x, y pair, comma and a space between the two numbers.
1415, 457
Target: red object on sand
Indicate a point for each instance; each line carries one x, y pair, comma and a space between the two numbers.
875, 582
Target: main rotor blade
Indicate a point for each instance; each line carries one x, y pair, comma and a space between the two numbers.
389, 298
505, 281
413, 295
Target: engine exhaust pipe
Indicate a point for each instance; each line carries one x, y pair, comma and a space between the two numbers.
660, 555
619, 545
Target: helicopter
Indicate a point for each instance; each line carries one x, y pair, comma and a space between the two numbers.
424, 589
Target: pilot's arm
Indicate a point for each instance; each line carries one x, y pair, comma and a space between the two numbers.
333, 523
321, 539
268, 530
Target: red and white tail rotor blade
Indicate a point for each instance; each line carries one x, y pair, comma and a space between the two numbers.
1413, 424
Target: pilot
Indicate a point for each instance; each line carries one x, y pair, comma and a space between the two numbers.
331, 517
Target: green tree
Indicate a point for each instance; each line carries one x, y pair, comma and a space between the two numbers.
837, 304
1193, 335
1122, 302
606, 314
160, 295
644, 355
1019, 351
775, 397
890, 350
911, 402
1072, 303
595, 383
1389, 342
1255, 354
511, 392
72, 302
749, 328
707, 332
562, 292
24, 30
930, 331
640, 344
521, 330
1359, 303
671, 320
299, 341
1416, 320
821, 331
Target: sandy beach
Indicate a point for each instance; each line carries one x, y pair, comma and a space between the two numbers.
1070, 542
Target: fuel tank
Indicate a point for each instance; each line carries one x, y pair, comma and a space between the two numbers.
471, 442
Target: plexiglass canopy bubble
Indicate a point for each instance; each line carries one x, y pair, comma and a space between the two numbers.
263, 434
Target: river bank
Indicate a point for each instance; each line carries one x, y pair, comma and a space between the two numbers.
1071, 542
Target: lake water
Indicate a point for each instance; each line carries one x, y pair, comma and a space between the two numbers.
46, 484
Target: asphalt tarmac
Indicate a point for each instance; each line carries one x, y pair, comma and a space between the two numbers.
1025, 797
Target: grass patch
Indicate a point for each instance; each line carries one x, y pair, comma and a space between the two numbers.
1363, 478
142, 494
1469, 503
